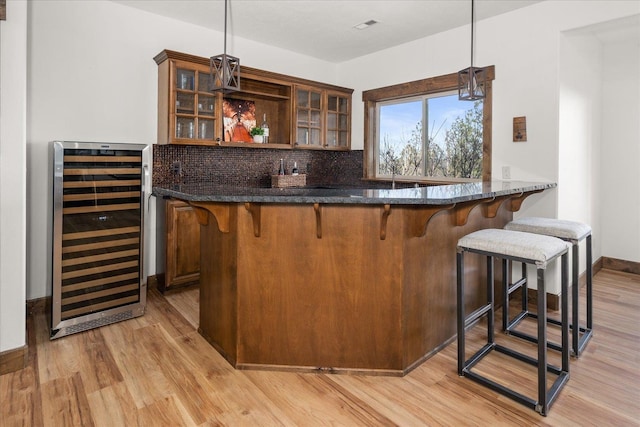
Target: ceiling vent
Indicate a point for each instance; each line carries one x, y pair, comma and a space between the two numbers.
365, 24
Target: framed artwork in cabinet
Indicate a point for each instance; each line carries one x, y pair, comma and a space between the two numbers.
239, 117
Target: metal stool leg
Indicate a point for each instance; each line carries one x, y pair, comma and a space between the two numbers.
564, 289
575, 289
546, 398
460, 310
506, 280
581, 335
490, 301
542, 406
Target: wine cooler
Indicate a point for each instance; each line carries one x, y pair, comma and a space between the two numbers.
100, 192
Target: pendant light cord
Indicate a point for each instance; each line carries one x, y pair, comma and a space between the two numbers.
472, 19
225, 27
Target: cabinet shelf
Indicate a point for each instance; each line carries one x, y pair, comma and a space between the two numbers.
248, 94
280, 146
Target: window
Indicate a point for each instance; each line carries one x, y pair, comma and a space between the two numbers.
420, 131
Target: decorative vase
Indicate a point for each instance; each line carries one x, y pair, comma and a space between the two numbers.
258, 139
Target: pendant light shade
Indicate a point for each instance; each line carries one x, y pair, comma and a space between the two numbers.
471, 83
224, 69
472, 80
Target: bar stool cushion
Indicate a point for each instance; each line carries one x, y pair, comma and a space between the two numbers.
536, 248
563, 229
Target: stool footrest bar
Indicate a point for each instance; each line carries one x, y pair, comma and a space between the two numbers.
517, 319
499, 388
517, 285
476, 315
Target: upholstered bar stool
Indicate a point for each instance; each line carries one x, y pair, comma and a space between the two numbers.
527, 248
572, 232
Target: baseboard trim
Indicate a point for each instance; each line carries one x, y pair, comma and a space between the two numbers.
155, 281
38, 305
13, 360
621, 265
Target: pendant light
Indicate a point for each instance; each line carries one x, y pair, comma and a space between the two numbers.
224, 69
471, 81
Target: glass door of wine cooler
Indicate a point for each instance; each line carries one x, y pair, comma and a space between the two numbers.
99, 201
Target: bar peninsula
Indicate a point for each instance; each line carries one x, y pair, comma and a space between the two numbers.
338, 279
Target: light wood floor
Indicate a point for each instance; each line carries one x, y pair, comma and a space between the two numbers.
157, 370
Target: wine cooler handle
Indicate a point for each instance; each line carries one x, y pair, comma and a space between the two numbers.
145, 188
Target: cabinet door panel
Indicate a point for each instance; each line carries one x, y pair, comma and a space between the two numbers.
338, 117
308, 117
183, 245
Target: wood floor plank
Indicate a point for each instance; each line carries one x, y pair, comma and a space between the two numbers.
156, 370
310, 399
184, 378
113, 406
165, 314
183, 301
144, 378
19, 395
64, 402
84, 353
245, 403
168, 412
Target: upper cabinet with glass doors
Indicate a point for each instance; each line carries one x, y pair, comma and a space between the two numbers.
309, 117
323, 118
187, 112
300, 113
338, 132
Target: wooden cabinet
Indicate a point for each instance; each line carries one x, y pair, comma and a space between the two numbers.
190, 113
338, 127
182, 246
308, 117
300, 113
323, 118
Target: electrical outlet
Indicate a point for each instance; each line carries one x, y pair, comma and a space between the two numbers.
176, 168
506, 172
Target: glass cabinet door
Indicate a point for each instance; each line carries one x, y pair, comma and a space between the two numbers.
308, 117
194, 106
337, 121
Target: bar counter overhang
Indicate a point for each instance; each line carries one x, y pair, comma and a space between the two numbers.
338, 280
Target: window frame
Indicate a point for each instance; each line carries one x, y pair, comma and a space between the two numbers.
425, 87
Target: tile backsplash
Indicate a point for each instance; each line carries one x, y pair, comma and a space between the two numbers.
253, 167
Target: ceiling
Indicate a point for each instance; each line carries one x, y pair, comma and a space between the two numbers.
324, 29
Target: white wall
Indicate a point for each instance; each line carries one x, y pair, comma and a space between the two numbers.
620, 152
580, 131
13, 161
92, 78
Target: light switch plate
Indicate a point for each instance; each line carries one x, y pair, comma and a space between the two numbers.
506, 172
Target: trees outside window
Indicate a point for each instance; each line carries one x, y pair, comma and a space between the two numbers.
449, 145
420, 131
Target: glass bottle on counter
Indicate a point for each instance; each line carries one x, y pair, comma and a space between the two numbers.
265, 128
281, 170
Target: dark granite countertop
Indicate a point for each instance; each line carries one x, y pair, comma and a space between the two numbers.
432, 195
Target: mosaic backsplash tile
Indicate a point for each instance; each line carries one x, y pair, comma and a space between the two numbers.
251, 167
